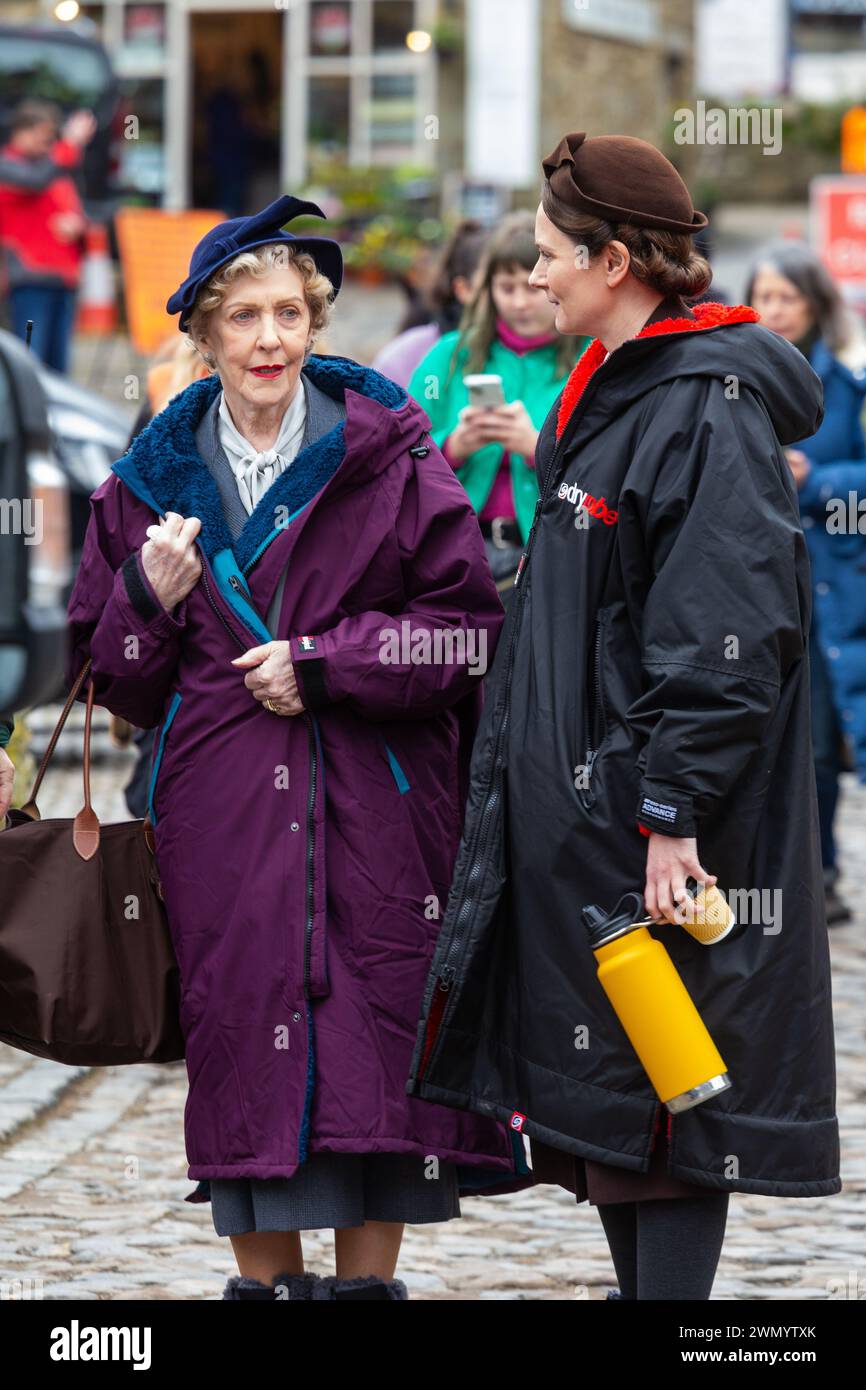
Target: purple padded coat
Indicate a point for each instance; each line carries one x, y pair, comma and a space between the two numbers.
305, 861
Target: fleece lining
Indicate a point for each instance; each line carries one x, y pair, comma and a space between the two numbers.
164, 466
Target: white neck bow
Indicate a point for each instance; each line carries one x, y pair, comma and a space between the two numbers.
256, 469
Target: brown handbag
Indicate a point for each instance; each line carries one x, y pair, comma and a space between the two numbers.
88, 974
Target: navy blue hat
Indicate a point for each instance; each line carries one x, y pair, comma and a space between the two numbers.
228, 239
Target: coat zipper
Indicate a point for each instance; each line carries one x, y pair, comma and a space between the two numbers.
448, 969
597, 711
311, 801
311, 796
210, 598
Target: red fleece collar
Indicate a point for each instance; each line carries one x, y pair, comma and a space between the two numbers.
707, 315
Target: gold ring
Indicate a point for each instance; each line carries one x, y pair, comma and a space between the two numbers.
269, 704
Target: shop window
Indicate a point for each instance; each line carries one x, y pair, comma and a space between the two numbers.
330, 29
392, 21
142, 161
144, 31
392, 116
328, 116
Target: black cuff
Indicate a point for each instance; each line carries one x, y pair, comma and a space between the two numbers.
664, 811
310, 676
138, 595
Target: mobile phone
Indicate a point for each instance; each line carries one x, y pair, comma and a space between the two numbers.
485, 389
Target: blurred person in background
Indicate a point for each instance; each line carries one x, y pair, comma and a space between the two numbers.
507, 329
42, 224
440, 310
796, 297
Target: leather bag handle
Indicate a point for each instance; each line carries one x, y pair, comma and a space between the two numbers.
85, 826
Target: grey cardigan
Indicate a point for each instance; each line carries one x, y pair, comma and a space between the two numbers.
323, 413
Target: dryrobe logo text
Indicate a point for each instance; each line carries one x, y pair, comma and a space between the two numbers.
593, 506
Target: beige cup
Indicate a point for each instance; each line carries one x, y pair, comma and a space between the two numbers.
713, 918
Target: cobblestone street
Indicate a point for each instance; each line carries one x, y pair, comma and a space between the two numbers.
93, 1169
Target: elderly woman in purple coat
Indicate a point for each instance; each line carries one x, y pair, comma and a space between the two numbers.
285, 576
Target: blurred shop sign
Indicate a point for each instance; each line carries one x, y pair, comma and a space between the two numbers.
837, 205
501, 113
155, 245
462, 197
635, 21
741, 47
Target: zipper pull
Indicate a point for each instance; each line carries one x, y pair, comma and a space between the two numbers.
420, 450
236, 584
446, 977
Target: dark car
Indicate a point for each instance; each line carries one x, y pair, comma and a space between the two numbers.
35, 568
80, 436
87, 434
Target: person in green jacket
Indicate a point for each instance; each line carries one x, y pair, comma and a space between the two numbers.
506, 329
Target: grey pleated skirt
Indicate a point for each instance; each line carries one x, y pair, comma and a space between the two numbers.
333, 1190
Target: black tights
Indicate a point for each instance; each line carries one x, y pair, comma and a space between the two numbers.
668, 1247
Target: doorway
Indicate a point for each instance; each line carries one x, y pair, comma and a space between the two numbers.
236, 59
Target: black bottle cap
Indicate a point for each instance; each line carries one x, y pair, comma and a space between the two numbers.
601, 926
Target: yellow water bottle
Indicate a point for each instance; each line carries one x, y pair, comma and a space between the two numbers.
654, 1006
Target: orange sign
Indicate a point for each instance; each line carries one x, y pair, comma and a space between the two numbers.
155, 245
854, 141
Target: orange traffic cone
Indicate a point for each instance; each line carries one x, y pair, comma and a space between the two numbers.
97, 302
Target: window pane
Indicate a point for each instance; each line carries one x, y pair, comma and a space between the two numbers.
330, 29
144, 29
328, 115
392, 115
143, 160
392, 21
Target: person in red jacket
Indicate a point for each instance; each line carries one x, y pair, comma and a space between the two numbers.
42, 224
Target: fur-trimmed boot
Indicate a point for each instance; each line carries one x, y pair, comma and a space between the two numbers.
331, 1287
283, 1287
241, 1286
294, 1287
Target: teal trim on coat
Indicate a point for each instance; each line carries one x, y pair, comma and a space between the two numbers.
226, 567
399, 775
172, 711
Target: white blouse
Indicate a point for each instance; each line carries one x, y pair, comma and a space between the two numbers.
256, 470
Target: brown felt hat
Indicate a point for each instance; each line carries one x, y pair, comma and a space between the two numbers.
622, 179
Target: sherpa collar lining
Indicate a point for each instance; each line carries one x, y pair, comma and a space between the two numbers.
164, 457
